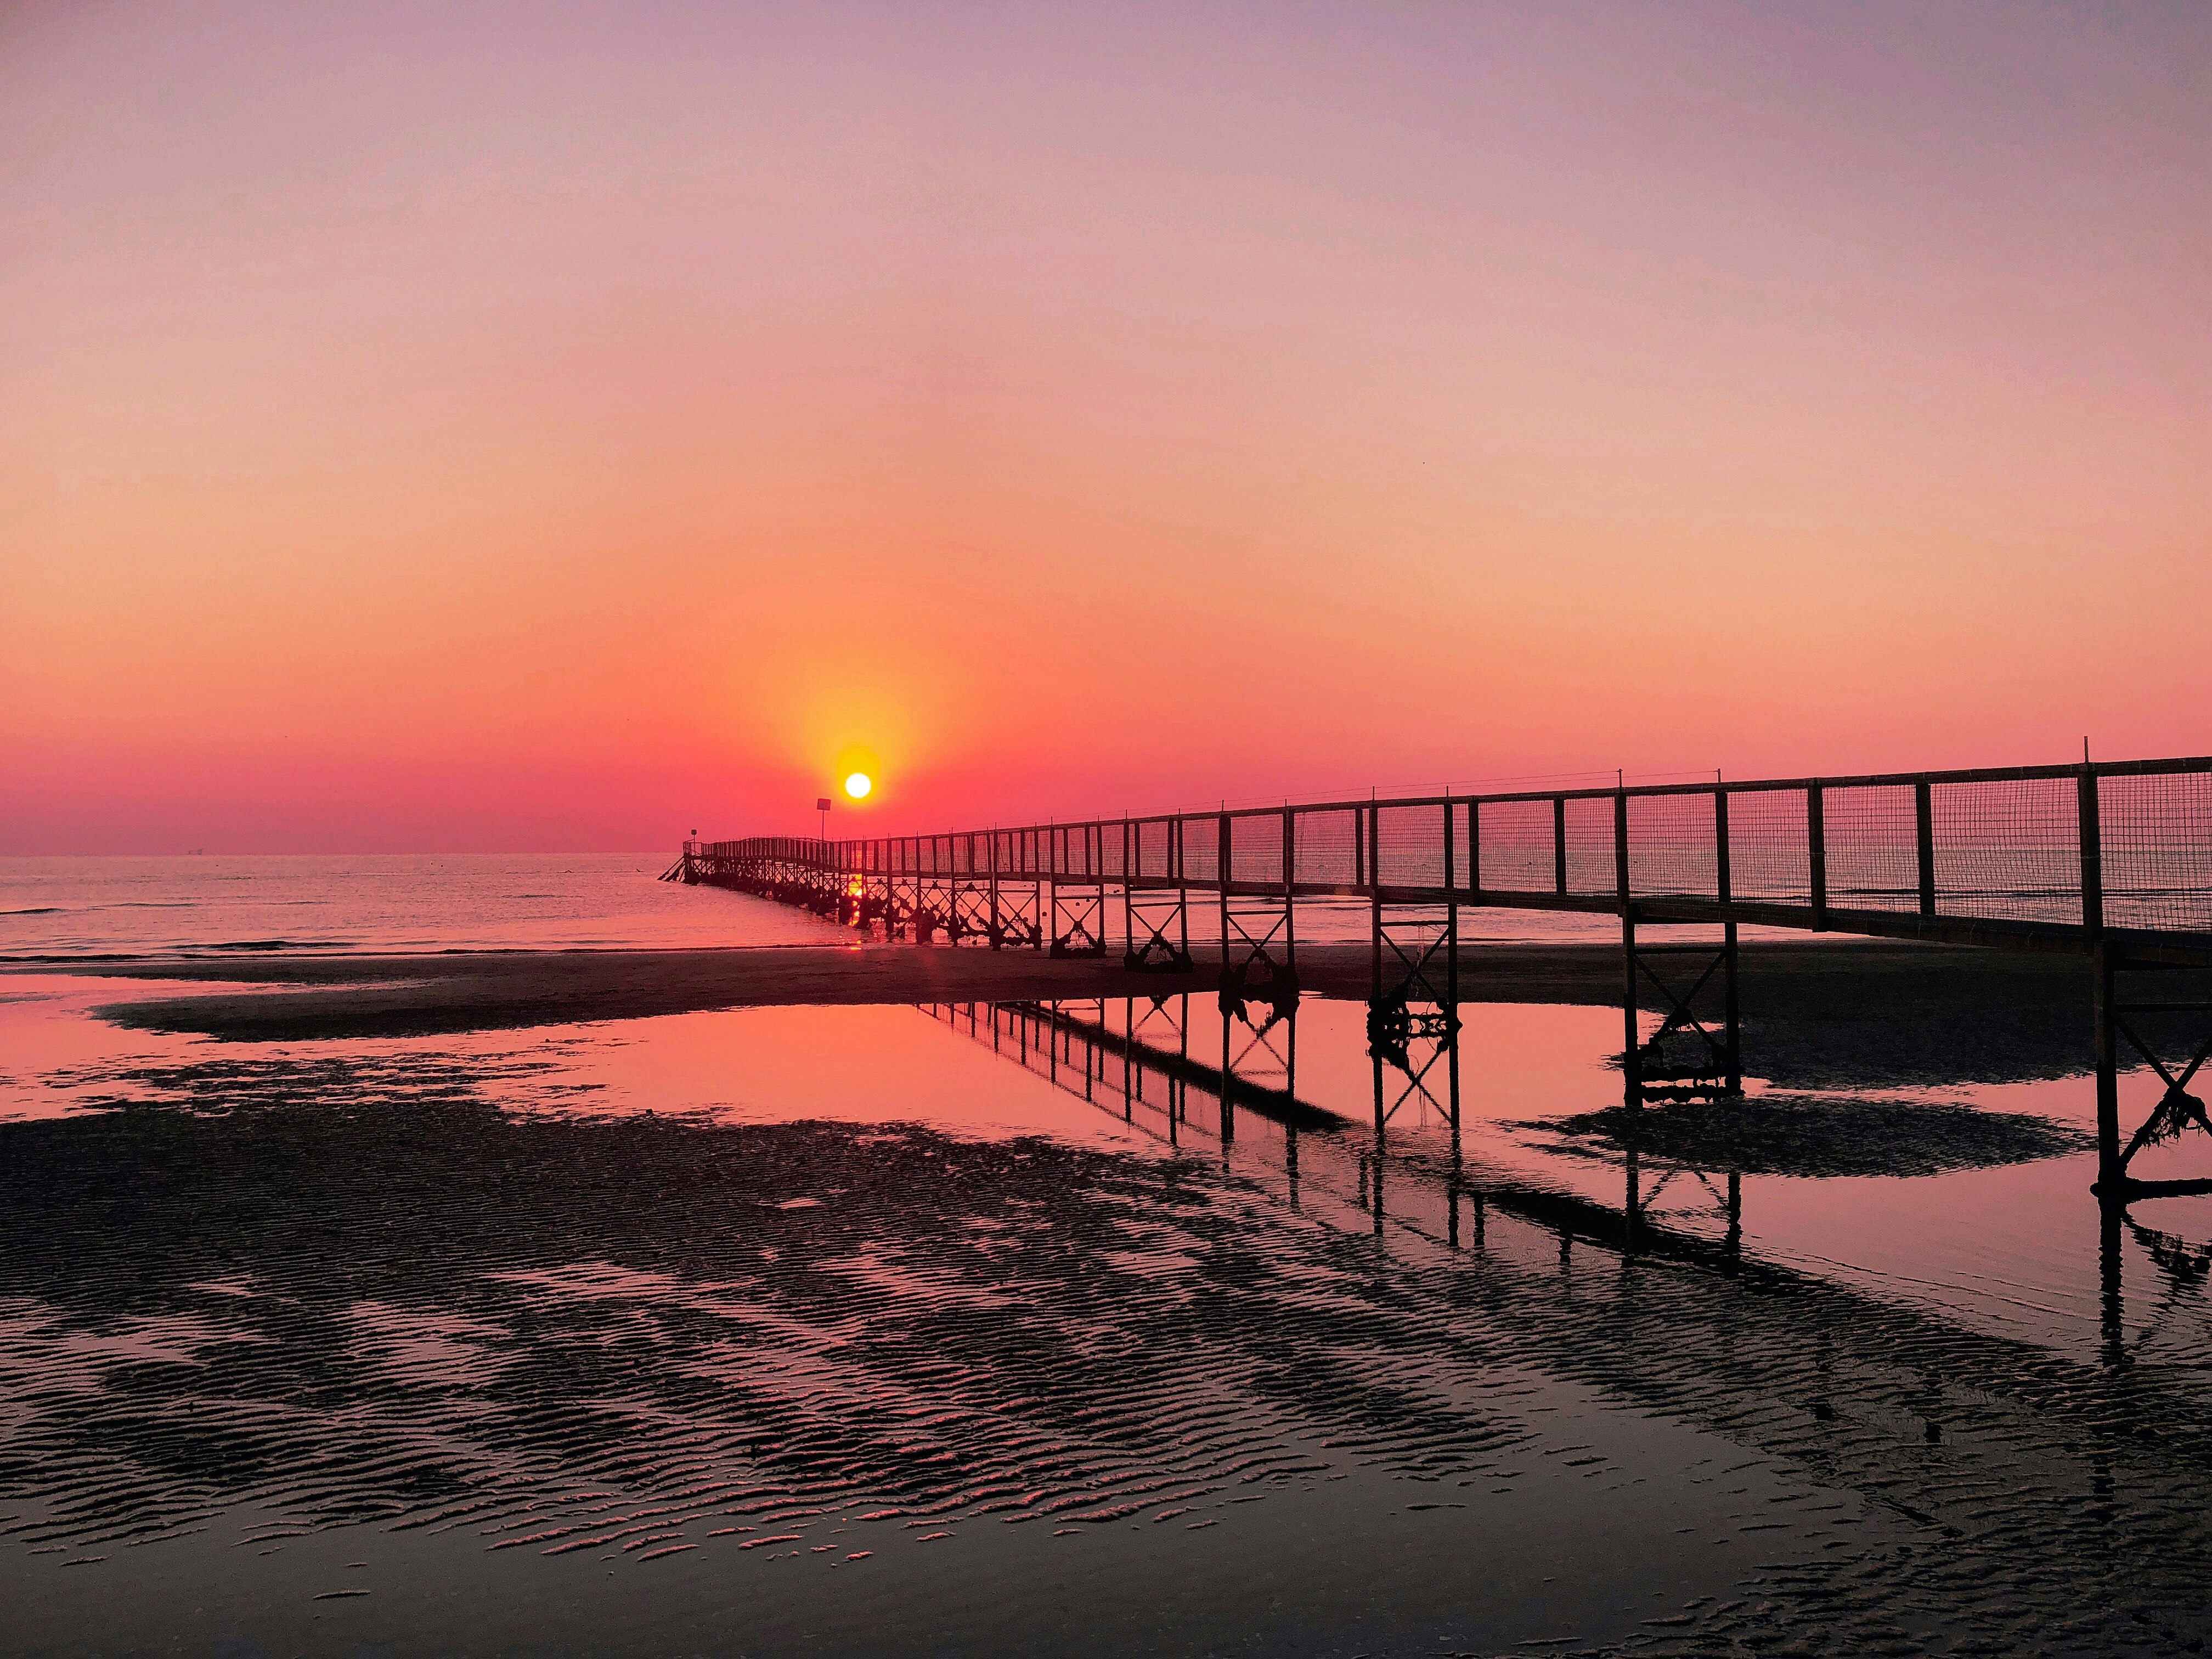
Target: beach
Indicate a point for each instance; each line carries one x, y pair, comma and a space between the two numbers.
878, 1298
856, 1302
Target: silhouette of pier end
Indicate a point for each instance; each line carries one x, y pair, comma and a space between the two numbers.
2111, 861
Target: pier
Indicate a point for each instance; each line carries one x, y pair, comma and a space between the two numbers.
2111, 861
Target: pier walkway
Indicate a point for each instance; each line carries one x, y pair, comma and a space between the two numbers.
2111, 861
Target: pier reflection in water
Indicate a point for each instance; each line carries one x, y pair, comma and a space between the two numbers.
1221, 1074
494, 1320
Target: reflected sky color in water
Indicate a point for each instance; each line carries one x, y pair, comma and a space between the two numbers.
851, 1329
59, 909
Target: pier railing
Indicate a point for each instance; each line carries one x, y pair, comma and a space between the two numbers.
2034, 856
2112, 860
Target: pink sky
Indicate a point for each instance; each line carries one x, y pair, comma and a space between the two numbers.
562, 427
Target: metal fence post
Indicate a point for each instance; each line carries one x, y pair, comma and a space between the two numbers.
1816, 855
1724, 892
2111, 1173
1923, 824
1451, 941
1375, 930
1631, 1060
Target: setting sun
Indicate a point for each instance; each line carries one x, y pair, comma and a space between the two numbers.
858, 785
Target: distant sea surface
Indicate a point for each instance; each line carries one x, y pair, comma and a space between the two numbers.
83, 907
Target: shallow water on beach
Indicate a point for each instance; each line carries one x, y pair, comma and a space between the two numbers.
987, 1330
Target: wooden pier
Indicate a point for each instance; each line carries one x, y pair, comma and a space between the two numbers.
2111, 861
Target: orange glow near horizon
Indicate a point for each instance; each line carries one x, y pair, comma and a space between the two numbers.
561, 437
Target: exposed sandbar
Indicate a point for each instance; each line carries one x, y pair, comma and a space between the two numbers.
1816, 1012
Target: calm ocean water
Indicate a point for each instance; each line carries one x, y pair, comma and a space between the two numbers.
76, 907
54, 908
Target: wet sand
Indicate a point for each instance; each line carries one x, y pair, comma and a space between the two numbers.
344, 1354
1819, 1013
449, 1344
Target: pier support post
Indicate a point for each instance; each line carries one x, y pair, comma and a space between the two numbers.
1413, 998
1259, 930
2111, 1170
1155, 920
1632, 1046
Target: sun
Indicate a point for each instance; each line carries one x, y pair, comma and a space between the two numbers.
858, 784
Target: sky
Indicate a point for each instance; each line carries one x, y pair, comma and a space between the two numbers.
560, 426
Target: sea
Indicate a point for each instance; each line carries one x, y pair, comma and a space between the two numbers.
968, 1328
70, 908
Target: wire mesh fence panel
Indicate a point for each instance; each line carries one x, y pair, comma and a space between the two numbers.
1514, 839
1871, 839
2009, 850
1155, 841
1770, 855
1255, 848
1461, 875
1201, 849
1673, 849
2156, 832
1326, 846
1988, 848
1590, 869
1409, 846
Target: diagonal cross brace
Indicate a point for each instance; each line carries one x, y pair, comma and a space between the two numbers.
2174, 1085
1680, 1018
